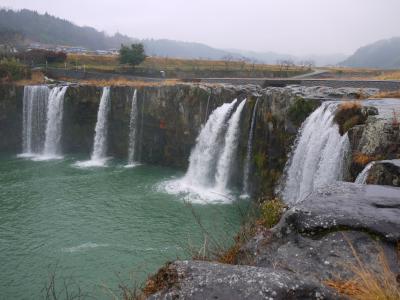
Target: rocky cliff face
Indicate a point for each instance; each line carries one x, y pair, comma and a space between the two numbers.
169, 119
10, 117
378, 139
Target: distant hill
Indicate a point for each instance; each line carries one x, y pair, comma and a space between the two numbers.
46, 29
383, 54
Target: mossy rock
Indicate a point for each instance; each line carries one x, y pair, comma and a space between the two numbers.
300, 110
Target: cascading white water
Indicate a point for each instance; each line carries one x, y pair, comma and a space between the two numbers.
225, 163
204, 157
99, 154
101, 130
247, 162
318, 157
363, 176
52, 144
199, 182
132, 131
34, 119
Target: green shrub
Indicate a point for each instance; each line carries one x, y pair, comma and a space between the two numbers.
271, 212
300, 110
12, 69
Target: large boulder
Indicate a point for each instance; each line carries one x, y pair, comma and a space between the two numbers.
206, 280
371, 208
385, 172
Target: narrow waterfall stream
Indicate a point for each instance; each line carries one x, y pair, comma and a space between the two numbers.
34, 119
209, 143
225, 163
363, 176
247, 162
318, 157
52, 144
99, 154
133, 132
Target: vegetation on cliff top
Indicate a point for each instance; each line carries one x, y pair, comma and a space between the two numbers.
348, 115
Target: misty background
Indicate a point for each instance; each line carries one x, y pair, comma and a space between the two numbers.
265, 30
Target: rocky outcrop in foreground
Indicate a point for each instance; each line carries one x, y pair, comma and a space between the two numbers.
319, 239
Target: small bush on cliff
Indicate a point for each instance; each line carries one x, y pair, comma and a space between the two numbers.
348, 115
300, 110
133, 55
271, 212
11, 69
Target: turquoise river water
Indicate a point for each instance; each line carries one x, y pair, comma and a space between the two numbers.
96, 227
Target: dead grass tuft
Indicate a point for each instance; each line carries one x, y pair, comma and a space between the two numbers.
36, 78
368, 284
348, 115
164, 279
387, 94
363, 159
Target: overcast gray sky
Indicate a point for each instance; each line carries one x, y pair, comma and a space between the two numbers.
286, 26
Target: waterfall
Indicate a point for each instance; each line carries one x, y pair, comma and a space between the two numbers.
99, 158
204, 157
247, 162
318, 157
228, 156
52, 147
101, 130
208, 104
132, 131
199, 183
34, 119
363, 176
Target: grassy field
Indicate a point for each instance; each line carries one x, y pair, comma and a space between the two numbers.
179, 67
363, 73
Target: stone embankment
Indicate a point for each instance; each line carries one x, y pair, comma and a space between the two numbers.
317, 240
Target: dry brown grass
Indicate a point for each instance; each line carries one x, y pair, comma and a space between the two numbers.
164, 279
126, 82
363, 159
368, 284
348, 115
110, 62
387, 94
36, 78
349, 105
389, 75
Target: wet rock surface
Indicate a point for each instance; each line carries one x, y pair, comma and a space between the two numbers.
372, 208
206, 280
385, 172
324, 237
328, 256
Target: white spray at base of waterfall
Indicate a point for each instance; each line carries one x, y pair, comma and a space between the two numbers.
318, 157
215, 147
